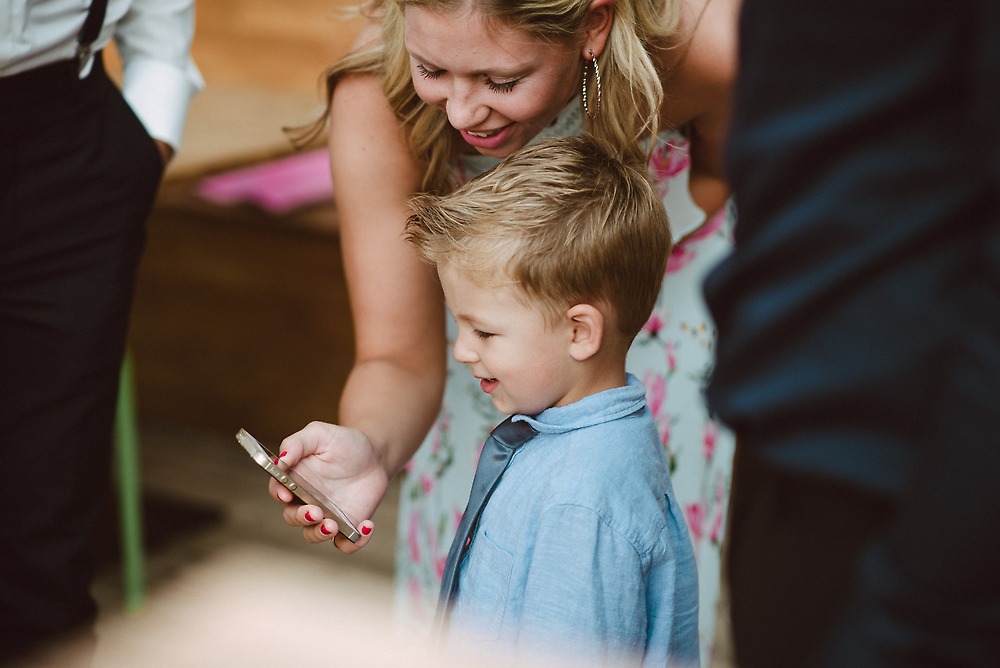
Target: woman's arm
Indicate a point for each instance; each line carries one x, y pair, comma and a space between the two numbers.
395, 386
698, 85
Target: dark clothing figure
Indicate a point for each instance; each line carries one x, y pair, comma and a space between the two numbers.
859, 334
78, 174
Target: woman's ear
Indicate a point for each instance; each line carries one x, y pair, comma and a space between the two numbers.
600, 16
587, 324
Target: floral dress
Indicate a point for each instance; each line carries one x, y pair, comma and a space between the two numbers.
672, 356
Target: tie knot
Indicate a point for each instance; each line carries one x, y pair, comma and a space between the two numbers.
513, 434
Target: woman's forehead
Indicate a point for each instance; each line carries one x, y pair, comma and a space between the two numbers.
467, 35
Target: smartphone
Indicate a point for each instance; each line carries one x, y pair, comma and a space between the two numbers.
296, 482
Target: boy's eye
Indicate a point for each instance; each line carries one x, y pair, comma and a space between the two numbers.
501, 87
429, 74
481, 334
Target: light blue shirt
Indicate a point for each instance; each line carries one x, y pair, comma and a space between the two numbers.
583, 549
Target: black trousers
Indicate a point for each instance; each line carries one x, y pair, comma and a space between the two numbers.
794, 554
78, 175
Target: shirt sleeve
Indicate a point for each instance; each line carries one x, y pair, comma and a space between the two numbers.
159, 77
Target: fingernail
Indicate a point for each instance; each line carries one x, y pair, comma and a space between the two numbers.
323, 530
283, 453
365, 530
308, 517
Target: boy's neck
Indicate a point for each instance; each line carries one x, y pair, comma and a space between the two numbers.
598, 374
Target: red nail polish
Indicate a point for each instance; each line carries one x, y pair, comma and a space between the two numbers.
283, 453
365, 530
308, 517
323, 530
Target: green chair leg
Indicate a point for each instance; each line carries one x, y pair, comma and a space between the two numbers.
129, 491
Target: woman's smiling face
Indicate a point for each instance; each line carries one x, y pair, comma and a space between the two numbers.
499, 86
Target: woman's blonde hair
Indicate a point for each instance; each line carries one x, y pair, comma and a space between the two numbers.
631, 90
562, 221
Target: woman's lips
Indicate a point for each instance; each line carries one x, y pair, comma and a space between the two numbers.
491, 140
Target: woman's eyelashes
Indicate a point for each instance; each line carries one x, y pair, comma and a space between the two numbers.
502, 86
429, 74
495, 86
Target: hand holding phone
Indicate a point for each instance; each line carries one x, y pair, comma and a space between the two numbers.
297, 483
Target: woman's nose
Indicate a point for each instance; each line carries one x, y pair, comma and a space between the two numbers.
464, 109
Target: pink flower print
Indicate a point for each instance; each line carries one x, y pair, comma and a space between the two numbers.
680, 255
437, 560
412, 539
711, 226
720, 489
671, 356
666, 162
695, 516
408, 467
426, 483
656, 392
653, 325
416, 592
709, 439
715, 533
665, 440
684, 252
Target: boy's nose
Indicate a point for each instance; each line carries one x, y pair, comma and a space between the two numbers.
462, 352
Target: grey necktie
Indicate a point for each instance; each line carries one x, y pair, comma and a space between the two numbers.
498, 450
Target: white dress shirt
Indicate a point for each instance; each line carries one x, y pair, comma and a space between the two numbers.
153, 37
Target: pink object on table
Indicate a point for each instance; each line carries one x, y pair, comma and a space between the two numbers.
277, 186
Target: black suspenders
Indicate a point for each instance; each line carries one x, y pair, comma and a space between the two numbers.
89, 32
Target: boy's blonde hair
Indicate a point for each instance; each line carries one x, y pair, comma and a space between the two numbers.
632, 93
564, 221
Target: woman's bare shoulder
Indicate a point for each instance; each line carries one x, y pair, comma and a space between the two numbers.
366, 137
699, 68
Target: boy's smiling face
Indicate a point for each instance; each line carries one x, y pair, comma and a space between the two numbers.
521, 361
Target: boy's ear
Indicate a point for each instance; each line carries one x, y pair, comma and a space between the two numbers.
587, 324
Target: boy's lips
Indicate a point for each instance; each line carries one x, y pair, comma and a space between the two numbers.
488, 384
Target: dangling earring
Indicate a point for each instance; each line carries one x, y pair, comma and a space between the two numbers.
597, 79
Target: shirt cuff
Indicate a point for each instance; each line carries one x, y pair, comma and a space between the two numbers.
160, 95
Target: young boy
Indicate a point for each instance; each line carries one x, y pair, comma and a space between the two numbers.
550, 264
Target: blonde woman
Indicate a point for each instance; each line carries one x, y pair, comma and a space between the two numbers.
433, 94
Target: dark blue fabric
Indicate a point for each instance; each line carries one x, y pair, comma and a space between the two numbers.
859, 317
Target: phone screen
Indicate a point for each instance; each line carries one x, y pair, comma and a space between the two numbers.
300, 481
